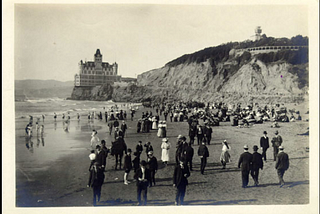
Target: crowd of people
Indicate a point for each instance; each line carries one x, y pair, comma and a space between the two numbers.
200, 124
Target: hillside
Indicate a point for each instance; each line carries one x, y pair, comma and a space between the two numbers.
235, 74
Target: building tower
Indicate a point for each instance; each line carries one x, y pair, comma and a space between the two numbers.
258, 32
98, 60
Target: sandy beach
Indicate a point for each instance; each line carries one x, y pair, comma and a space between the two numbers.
55, 172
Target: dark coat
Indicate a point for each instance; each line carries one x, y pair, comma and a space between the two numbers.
276, 141
257, 162
245, 161
96, 177
180, 175
152, 164
203, 151
138, 174
148, 148
264, 142
282, 162
127, 162
136, 163
101, 158
118, 147
139, 148
189, 153
208, 132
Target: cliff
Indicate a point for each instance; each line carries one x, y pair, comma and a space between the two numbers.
229, 72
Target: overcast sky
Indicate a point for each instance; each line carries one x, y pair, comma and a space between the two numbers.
50, 40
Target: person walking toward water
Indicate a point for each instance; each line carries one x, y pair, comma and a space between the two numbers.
225, 155
94, 138
282, 164
276, 142
245, 162
78, 116
257, 163
43, 118
110, 125
55, 116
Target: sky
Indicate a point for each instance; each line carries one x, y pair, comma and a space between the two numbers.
51, 39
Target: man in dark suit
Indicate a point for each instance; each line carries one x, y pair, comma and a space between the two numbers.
276, 142
100, 157
143, 177
203, 153
282, 164
96, 180
245, 162
152, 165
105, 151
264, 144
199, 134
257, 164
208, 133
180, 181
189, 156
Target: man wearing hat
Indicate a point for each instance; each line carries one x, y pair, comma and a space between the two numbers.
257, 164
203, 153
245, 162
127, 166
282, 164
152, 165
276, 142
142, 176
264, 144
180, 181
179, 147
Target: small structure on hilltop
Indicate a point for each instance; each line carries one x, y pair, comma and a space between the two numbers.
258, 32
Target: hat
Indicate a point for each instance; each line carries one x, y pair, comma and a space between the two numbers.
92, 156
255, 148
246, 146
164, 139
150, 153
103, 142
179, 136
281, 147
276, 132
129, 150
225, 141
98, 147
264, 132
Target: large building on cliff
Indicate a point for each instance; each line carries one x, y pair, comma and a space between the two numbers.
97, 72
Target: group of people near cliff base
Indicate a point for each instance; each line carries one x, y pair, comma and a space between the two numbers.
145, 170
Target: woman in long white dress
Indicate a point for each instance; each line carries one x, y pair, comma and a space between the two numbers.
94, 139
154, 123
225, 155
165, 146
159, 129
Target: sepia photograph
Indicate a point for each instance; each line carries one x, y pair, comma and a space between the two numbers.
170, 106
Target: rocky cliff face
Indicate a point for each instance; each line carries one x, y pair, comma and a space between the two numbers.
220, 74
99, 93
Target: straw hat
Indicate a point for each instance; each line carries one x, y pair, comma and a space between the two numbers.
164, 139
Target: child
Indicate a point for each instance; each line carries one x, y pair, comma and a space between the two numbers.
127, 166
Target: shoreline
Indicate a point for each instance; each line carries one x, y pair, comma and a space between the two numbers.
63, 183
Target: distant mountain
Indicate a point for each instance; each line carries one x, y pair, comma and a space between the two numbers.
39, 89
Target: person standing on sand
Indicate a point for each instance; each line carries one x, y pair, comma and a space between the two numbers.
55, 116
264, 144
152, 165
276, 142
94, 138
282, 164
95, 182
136, 162
127, 166
110, 125
203, 153
245, 162
257, 163
165, 146
124, 128
148, 148
43, 118
225, 155
139, 148
142, 177
189, 155
105, 152
180, 181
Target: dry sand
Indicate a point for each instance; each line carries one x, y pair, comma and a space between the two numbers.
61, 179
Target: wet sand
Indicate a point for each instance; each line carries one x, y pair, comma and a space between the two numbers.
56, 174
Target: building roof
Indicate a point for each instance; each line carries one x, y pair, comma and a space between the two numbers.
98, 53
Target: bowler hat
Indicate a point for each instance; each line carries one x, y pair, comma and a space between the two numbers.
255, 148
264, 132
276, 132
